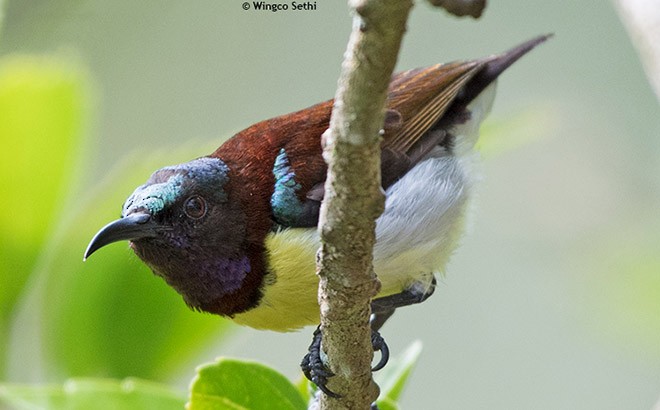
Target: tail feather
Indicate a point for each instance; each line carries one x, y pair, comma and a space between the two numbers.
496, 66
475, 99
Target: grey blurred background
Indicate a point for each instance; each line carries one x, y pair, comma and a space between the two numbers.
553, 300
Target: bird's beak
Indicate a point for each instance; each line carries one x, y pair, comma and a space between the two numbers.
134, 226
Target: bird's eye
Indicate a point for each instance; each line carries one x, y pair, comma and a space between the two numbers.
195, 207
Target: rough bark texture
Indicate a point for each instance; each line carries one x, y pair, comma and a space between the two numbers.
354, 199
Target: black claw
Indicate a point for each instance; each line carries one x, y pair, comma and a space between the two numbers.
313, 367
379, 345
321, 384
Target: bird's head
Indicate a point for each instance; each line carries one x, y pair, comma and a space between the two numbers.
182, 224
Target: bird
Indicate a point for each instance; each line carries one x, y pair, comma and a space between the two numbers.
235, 232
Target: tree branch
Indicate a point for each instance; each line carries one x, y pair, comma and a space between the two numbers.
354, 199
353, 195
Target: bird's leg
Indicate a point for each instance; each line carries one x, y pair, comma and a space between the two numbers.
383, 308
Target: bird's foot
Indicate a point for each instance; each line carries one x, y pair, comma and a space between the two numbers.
313, 367
318, 373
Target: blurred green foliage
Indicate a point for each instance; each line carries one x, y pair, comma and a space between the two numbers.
41, 106
60, 318
97, 394
622, 290
393, 377
223, 384
499, 136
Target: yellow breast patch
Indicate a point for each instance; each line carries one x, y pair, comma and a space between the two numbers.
290, 288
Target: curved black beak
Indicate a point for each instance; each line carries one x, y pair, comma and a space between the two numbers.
130, 227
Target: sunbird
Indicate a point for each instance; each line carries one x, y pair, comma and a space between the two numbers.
235, 232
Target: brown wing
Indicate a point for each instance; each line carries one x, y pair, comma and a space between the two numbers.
422, 96
428, 102
418, 99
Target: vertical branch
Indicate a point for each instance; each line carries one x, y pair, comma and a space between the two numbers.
354, 198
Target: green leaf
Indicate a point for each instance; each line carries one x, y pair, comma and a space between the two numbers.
83, 394
235, 384
387, 404
306, 388
393, 377
42, 102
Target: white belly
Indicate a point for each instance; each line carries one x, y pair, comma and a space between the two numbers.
422, 222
